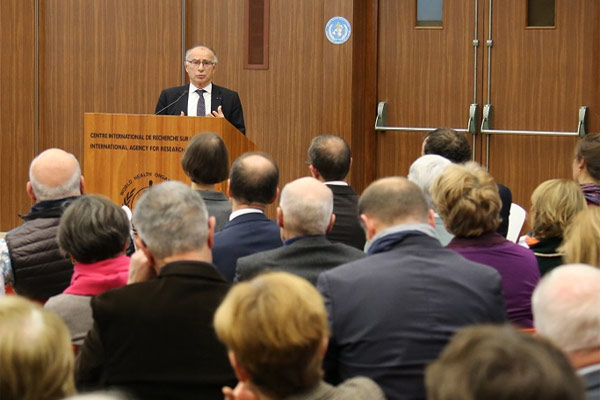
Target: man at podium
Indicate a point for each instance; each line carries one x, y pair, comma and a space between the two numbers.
201, 97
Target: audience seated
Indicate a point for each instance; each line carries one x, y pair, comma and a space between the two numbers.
94, 233
467, 198
566, 308
206, 162
499, 363
154, 337
554, 204
455, 147
582, 239
275, 328
329, 159
392, 312
252, 186
586, 167
30, 259
304, 216
36, 359
423, 172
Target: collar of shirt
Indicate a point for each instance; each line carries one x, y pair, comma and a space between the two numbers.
244, 211
589, 369
193, 98
337, 183
207, 88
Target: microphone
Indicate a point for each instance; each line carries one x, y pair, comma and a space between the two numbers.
170, 104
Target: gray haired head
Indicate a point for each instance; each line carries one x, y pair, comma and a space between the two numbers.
55, 174
171, 219
306, 205
424, 171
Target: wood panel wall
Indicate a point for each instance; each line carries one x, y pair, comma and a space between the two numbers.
17, 106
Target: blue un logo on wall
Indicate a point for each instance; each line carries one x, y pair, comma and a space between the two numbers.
338, 30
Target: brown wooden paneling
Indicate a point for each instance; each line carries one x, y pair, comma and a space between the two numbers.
425, 76
103, 56
17, 106
540, 77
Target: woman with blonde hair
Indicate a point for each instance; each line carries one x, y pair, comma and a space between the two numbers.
582, 239
36, 357
554, 204
586, 167
276, 333
467, 199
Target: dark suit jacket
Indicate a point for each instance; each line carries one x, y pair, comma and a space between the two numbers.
220, 96
391, 313
244, 235
155, 339
506, 199
346, 228
307, 257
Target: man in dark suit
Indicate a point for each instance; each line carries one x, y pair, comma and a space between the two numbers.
252, 185
455, 147
200, 65
304, 216
392, 312
329, 159
154, 337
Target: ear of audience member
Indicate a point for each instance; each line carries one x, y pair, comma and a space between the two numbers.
275, 329
94, 232
36, 358
586, 167
467, 198
554, 204
423, 172
499, 363
581, 243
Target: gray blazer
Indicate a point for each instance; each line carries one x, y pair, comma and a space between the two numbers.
306, 256
218, 206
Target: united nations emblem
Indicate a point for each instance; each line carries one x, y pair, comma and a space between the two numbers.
338, 30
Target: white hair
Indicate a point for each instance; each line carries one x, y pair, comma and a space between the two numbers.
171, 219
305, 211
566, 307
43, 192
425, 170
187, 53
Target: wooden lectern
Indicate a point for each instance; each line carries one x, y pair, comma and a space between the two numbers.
125, 154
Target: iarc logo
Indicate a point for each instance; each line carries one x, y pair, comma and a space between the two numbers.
135, 186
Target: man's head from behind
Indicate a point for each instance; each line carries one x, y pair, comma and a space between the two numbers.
305, 208
36, 357
171, 219
329, 157
253, 179
425, 170
275, 328
392, 201
449, 144
566, 307
500, 363
54, 174
206, 160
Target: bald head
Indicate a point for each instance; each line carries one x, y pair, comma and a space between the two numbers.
305, 208
566, 307
54, 174
253, 179
394, 201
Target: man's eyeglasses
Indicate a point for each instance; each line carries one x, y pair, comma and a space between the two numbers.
204, 63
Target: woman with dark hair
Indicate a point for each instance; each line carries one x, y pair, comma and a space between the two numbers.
94, 232
586, 167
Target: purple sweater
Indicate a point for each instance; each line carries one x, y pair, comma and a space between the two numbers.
517, 266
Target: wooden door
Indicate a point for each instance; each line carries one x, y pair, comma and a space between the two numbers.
425, 74
539, 78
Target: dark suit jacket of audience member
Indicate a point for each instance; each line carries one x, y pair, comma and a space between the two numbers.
391, 313
506, 198
346, 228
218, 206
242, 236
155, 339
306, 256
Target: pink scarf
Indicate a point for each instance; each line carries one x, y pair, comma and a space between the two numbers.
98, 277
